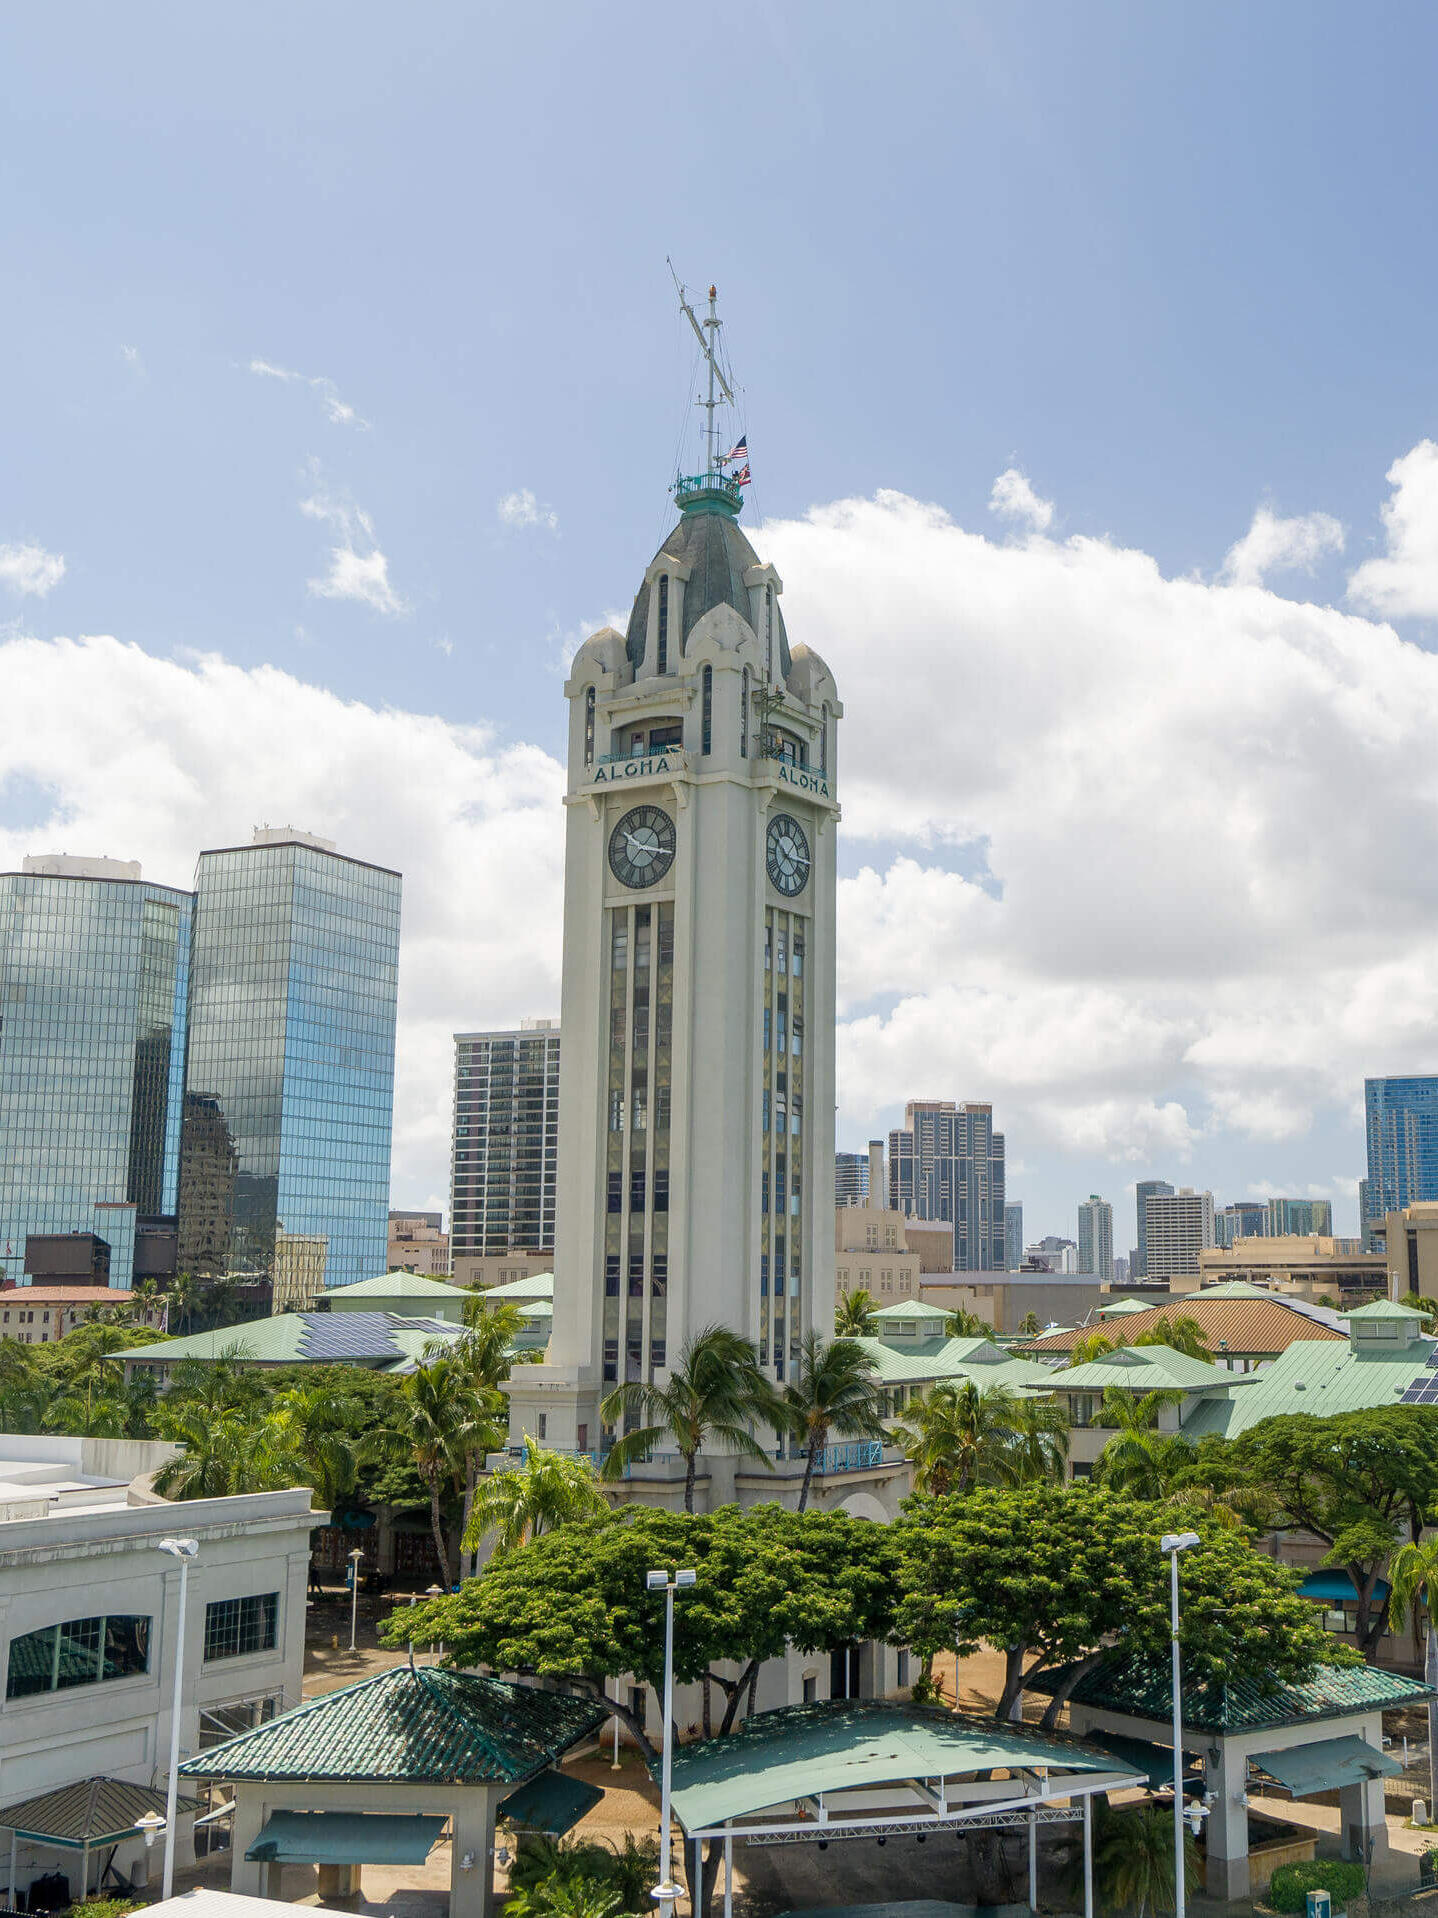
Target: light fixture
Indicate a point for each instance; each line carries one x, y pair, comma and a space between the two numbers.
881, 1841
467, 1862
823, 1844
152, 1824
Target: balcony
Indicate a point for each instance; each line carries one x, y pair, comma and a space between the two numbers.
859, 1455
671, 753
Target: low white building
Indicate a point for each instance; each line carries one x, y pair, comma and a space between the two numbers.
88, 1616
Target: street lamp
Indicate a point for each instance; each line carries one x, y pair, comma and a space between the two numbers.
183, 1550
1171, 1544
355, 1556
666, 1891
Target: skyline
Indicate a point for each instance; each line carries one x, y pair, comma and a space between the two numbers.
1089, 414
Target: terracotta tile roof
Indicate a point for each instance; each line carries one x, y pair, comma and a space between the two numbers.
1253, 1328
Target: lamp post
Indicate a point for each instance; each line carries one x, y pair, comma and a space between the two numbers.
1171, 1544
182, 1550
666, 1891
355, 1556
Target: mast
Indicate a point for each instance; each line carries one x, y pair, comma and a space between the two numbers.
710, 349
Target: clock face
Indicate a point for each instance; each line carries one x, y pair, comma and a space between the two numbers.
641, 847
788, 851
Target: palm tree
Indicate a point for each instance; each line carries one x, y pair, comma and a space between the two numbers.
836, 1390
184, 1298
438, 1421
967, 1325
522, 1501
311, 1425
854, 1315
960, 1436
716, 1394
1414, 1576
1093, 1345
1182, 1334
1142, 1461
486, 1354
223, 1457
1039, 1443
1135, 1858
1029, 1325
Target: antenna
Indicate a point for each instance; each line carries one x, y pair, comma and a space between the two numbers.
710, 349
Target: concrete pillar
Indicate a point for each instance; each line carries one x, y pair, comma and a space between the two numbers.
1227, 1834
1362, 1820
471, 1892
246, 1876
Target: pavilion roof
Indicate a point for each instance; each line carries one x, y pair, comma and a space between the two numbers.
1142, 1688
93, 1811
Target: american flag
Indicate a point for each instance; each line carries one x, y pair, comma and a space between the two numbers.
740, 452
742, 477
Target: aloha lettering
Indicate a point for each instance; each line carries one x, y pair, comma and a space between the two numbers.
630, 769
806, 781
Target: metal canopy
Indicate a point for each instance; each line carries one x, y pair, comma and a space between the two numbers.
1327, 1765
550, 1803
345, 1838
1137, 1754
96, 1811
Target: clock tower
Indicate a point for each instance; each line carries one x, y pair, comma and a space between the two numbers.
696, 1125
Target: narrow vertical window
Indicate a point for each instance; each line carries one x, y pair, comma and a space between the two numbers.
706, 710
664, 622
589, 727
768, 632
824, 741
744, 715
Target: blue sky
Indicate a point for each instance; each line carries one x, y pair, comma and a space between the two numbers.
1171, 264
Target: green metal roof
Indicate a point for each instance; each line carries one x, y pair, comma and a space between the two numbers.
96, 1811
1122, 1306
1143, 1368
854, 1745
539, 1285
908, 1309
552, 1803
409, 1726
1142, 1688
346, 1838
396, 1285
1327, 1765
1321, 1376
305, 1338
925, 1361
1384, 1309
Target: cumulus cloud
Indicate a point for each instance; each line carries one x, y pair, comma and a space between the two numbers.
1274, 545
1403, 582
153, 760
1014, 498
358, 569
30, 569
338, 412
523, 509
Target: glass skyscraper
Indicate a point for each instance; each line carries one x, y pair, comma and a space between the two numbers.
289, 1087
1402, 1126
94, 973
947, 1162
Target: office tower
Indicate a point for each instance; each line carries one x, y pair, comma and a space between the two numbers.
947, 1162
851, 1178
1013, 1235
94, 976
1245, 1219
1402, 1127
1177, 1227
504, 1173
1303, 1218
290, 1075
1120, 1269
1095, 1237
1143, 1191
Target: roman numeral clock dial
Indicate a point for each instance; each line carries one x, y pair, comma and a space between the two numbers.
788, 855
641, 847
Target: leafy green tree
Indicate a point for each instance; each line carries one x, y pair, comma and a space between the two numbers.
1416, 1302
522, 1502
960, 1435
836, 1390
1134, 1856
1356, 1480
854, 1315
1051, 1575
560, 1897
716, 1395
1181, 1333
1414, 1576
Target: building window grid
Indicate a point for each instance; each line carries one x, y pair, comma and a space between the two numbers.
238, 1627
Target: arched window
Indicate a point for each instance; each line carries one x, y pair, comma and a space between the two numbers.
744, 715
824, 741
589, 727
663, 622
706, 710
768, 632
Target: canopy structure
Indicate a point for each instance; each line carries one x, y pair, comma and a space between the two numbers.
550, 1803
1328, 1765
1154, 1761
345, 1838
1337, 1588
83, 1817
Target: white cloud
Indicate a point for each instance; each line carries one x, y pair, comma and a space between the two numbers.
523, 509
358, 569
1014, 498
1404, 582
131, 356
339, 412
30, 569
1274, 545
153, 760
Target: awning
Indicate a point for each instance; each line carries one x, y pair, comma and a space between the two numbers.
1326, 1765
1337, 1588
345, 1838
1154, 1761
551, 1803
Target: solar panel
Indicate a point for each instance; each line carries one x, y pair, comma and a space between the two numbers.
1423, 1391
347, 1335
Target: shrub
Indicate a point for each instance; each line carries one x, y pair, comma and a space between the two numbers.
105, 1908
1341, 1878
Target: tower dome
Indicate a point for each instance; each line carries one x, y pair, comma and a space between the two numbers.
716, 555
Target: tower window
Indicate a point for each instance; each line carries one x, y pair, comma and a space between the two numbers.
589, 727
824, 740
664, 622
706, 710
768, 632
744, 714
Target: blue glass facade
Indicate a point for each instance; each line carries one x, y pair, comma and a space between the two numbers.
1402, 1126
290, 1076
94, 980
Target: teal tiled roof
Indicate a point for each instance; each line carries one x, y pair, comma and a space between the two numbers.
409, 1726
1143, 1689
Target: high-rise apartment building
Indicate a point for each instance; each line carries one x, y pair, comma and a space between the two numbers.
1013, 1236
1244, 1219
504, 1168
1402, 1126
94, 980
1177, 1227
1095, 1237
851, 1178
1143, 1192
1300, 1218
290, 1075
947, 1162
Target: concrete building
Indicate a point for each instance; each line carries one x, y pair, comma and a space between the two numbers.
40, 1314
502, 1268
1410, 1261
947, 1162
1244, 1219
1013, 1235
405, 1295
1401, 1122
1177, 1227
504, 1176
1009, 1300
1095, 1237
88, 1622
1302, 1268
419, 1243
851, 1177
1143, 1192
